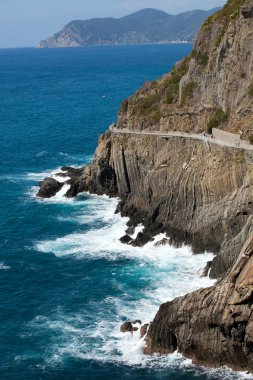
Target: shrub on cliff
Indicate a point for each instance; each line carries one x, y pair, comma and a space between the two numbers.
217, 119
250, 90
187, 92
251, 139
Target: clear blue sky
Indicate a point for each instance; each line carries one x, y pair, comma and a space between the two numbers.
26, 22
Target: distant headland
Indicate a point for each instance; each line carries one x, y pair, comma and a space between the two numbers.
147, 26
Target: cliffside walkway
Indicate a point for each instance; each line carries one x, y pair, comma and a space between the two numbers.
240, 144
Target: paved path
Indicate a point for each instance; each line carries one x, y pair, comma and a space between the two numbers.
196, 136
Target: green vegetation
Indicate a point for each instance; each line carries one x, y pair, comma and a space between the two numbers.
251, 139
218, 118
171, 84
153, 84
156, 116
168, 97
201, 58
250, 90
187, 92
229, 12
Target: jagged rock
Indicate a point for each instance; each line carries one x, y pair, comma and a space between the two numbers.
126, 327
247, 9
130, 230
144, 330
162, 242
142, 239
206, 270
99, 177
49, 187
212, 326
126, 239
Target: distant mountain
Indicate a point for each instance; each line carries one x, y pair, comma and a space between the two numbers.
145, 26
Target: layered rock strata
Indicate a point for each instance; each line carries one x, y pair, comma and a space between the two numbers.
212, 326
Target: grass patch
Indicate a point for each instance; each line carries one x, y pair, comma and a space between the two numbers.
171, 84
250, 90
201, 58
187, 92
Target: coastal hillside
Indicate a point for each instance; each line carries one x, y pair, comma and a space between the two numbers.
180, 158
145, 26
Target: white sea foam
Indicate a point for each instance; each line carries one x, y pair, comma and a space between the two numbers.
170, 272
4, 267
42, 153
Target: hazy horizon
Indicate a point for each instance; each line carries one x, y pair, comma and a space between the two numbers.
24, 24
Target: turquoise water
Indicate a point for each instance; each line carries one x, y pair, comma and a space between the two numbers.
66, 282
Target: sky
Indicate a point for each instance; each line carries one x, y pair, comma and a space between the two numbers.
24, 23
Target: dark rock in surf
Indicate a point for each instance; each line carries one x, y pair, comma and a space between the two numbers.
144, 330
126, 327
49, 187
162, 242
126, 239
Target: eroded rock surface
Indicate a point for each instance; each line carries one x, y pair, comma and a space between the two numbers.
212, 326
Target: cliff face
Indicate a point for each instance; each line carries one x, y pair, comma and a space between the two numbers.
212, 326
198, 193
211, 87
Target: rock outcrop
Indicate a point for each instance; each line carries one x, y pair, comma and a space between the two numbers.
49, 187
99, 177
212, 326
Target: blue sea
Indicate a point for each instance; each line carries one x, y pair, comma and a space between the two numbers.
67, 283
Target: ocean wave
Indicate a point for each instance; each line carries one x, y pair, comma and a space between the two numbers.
170, 272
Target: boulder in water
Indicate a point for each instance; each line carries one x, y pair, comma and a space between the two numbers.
49, 187
126, 327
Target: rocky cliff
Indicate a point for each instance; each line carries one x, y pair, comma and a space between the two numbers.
144, 26
212, 326
197, 193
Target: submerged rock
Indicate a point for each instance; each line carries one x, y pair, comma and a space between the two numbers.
49, 187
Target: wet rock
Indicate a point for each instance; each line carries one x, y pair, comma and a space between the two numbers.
126, 239
130, 230
205, 272
49, 187
142, 239
162, 242
144, 330
126, 327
